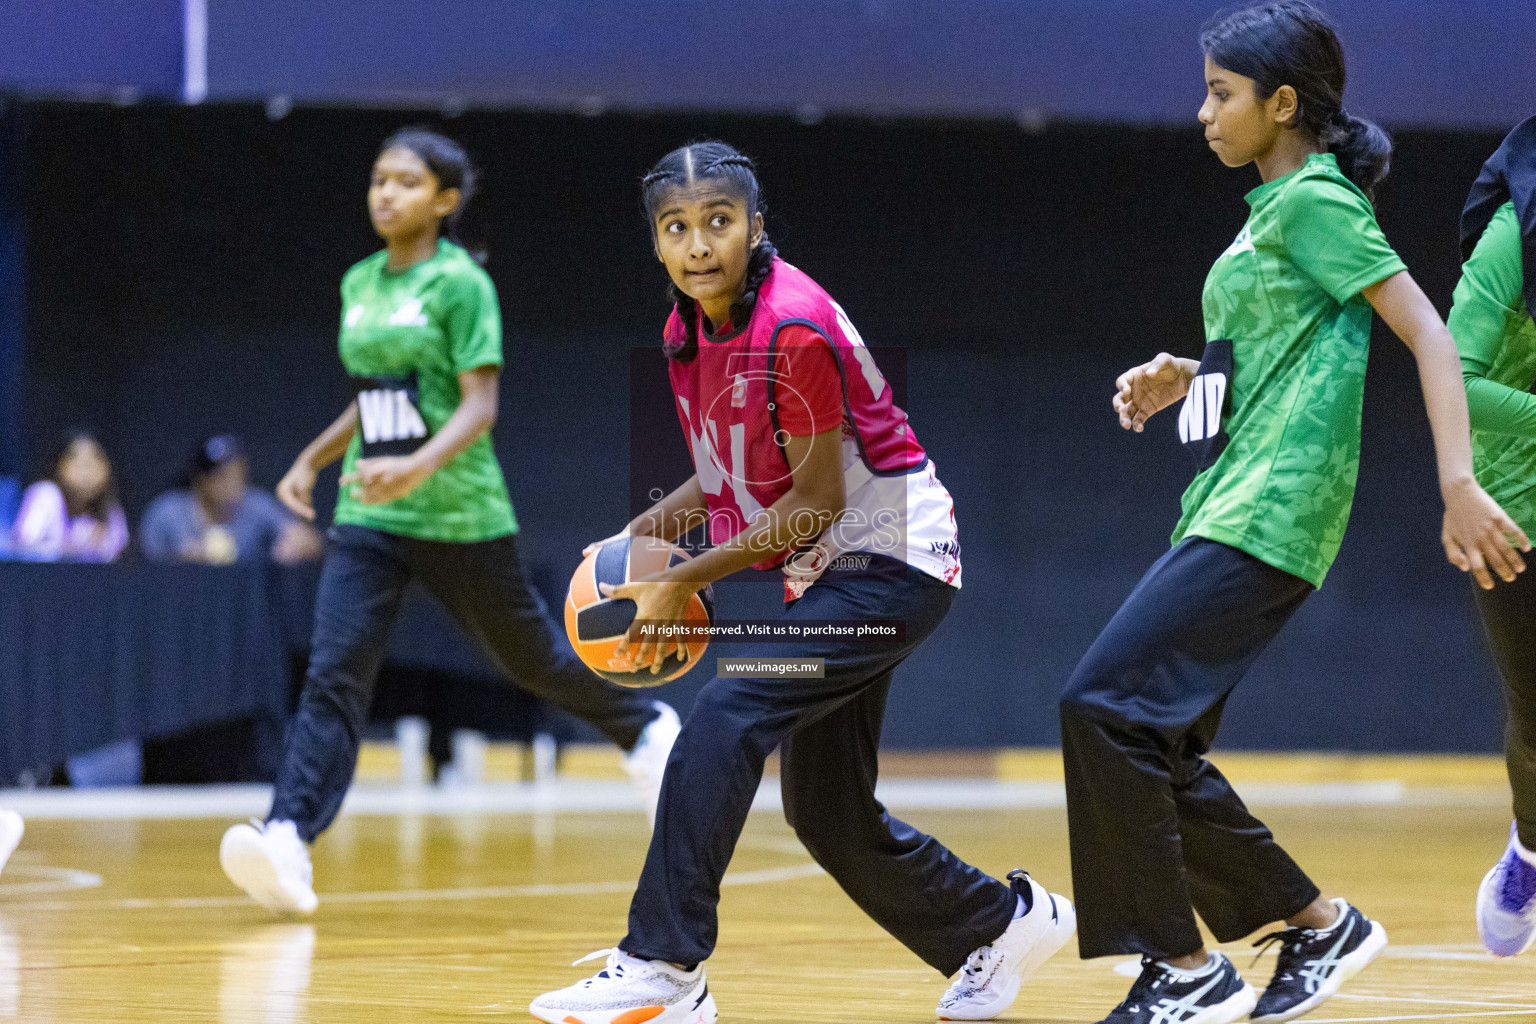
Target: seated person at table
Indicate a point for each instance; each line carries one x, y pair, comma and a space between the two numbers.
216, 516
74, 514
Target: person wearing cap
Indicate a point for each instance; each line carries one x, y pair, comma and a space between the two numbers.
215, 516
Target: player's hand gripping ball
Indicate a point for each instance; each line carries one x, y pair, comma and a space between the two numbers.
596, 624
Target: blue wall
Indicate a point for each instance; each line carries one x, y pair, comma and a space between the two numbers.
1412, 62
92, 48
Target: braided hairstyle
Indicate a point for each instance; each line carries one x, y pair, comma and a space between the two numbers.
732, 169
1290, 42
447, 160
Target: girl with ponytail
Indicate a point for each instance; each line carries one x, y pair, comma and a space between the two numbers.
1289, 45
422, 499
1271, 416
804, 463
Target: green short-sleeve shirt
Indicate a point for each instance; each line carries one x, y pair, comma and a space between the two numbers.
1287, 294
1497, 340
433, 321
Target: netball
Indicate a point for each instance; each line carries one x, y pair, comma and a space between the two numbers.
596, 625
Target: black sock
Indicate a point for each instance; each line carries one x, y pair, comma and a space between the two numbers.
1019, 885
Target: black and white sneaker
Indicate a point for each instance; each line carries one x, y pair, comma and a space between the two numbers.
1313, 964
1166, 995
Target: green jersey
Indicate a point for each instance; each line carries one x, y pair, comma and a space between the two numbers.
1286, 293
405, 338
1497, 341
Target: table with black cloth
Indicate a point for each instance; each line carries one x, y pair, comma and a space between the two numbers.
91, 654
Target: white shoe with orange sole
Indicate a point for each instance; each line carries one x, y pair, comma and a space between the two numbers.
629, 990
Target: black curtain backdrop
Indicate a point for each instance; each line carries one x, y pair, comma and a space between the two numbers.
182, 273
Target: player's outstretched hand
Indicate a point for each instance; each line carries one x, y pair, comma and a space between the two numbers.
1479, 536
1151, 387
297, 490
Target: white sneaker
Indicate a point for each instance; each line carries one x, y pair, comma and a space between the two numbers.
1506, 901
647, 763
990, 980
630, 990
11, 828
271, 863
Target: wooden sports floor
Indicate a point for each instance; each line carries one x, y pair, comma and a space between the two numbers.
452, 918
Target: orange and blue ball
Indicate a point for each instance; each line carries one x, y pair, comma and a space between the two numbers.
597, 625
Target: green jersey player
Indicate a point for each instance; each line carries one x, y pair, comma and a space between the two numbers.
422, 498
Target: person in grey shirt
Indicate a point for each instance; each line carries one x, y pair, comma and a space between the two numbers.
215, 516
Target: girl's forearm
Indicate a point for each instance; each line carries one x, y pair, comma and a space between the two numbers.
333, 440
1445, 399
789, 522
475, 415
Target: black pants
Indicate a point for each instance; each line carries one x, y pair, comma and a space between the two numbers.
1509, 620
1156, 831
937, 905
362, 582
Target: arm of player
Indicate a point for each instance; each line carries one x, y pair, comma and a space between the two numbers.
814, 500
297, 487
1476, 532
1151, 387
376, 481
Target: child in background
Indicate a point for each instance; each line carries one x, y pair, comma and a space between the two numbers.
215, 516
74, 514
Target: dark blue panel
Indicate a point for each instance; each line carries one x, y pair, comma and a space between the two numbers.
12, 284
91, 46
1412, 62
604, 621
612, 564
92, 654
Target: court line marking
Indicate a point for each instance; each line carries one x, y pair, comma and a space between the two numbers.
1429, 999
1437, 954
581, 795
491, 892
53, 880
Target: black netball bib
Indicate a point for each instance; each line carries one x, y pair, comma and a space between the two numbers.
1205, 407
388, 415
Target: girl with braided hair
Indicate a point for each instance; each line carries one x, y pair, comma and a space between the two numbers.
803, 463
1272, 419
